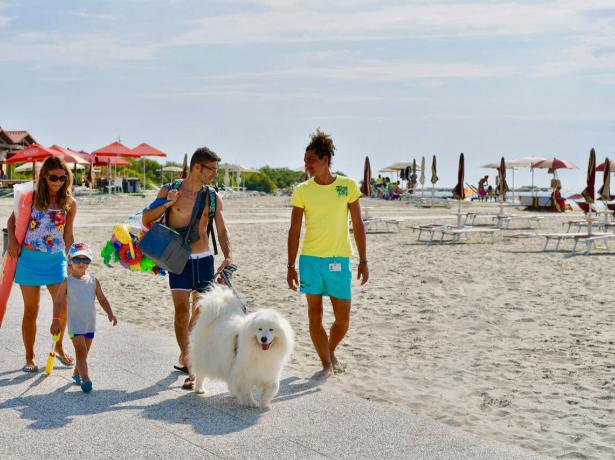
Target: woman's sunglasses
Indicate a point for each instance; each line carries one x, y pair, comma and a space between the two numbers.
54, 178
81, 260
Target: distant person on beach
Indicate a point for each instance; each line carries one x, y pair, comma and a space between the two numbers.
80, 291
558, 201
482, 193
324, 265
42, 261
178, 200
396, 191
490, 193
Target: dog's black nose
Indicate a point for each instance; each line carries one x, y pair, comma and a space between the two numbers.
264, 339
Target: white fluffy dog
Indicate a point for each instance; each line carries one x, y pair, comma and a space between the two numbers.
245, 351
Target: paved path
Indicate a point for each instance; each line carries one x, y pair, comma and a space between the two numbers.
138, 410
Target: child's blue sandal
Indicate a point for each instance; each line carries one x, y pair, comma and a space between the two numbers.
77, 379
86, 387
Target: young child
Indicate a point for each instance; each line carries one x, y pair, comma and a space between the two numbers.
82, 290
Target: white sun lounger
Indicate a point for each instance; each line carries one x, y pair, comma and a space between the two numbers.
503, 220
576, 237
451, 234
381, 225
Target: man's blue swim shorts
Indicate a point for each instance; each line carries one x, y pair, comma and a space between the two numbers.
197, 275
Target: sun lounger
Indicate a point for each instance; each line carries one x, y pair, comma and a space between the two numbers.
451, 234
559, 237
592, 242
503, 221
580, 224
381, 225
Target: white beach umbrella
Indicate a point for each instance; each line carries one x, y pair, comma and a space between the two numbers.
527, 162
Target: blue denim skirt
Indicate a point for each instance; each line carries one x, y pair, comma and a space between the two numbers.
36, 268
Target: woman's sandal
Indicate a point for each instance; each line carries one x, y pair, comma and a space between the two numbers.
65, 359
30, 368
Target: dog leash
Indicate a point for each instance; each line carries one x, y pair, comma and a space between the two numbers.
226, 275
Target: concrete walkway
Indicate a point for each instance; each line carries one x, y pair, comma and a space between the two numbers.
138, 410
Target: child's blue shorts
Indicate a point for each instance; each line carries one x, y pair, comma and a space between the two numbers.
319, 276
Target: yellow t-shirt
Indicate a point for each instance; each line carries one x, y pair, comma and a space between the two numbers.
326, 216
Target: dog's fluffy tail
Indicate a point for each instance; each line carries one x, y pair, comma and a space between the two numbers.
213, 303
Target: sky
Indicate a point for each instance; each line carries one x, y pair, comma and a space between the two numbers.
391, 79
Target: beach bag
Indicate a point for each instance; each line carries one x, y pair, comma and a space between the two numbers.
166, 247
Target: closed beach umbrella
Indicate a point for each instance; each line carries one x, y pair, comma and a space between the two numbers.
589, 190
434, 177
184, 173
502, 186
605, 190
459, 191
422, 178
414, 176
602, 165
366, 187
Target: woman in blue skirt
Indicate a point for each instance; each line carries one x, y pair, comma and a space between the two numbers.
42, 259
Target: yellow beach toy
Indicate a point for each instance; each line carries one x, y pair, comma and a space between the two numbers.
51, 359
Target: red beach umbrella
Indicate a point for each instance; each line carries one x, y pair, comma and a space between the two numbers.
101, 160
589, 191
366, 187
69, 155
32, 153
554, 164
116, 149
146, 150
184, 173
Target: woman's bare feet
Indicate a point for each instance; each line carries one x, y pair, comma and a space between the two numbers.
323, 374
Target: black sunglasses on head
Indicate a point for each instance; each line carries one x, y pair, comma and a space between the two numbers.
54, 178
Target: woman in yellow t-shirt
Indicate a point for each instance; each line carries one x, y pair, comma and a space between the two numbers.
324, 264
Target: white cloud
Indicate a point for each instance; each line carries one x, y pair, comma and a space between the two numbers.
99, 16
82, 49
4, 19
281, 22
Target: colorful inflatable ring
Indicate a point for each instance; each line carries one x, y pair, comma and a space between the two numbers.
125, 255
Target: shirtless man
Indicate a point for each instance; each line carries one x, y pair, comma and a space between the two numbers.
199, 270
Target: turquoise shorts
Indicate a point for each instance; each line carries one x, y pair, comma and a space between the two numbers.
320, 276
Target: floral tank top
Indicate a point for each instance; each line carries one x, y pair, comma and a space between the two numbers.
46, 231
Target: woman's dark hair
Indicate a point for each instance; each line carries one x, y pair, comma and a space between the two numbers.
322, 144
42, 197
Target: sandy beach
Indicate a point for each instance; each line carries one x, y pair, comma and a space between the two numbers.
501, 340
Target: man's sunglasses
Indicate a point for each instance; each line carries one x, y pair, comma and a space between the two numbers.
81, 260
54, 178
213, 170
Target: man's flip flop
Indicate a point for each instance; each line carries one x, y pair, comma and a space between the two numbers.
183, 369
